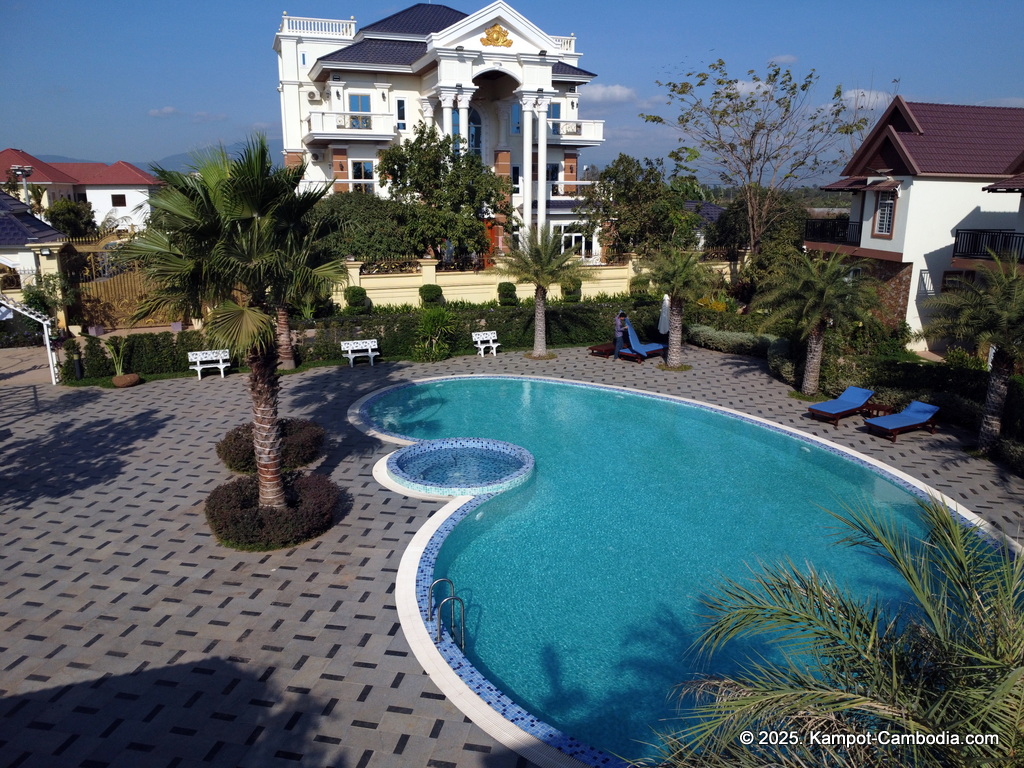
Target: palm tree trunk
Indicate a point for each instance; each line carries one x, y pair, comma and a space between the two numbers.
285, 353
540, 334
812, 367
675, 332
264, 387
995, 399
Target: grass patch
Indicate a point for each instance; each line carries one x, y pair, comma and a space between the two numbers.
548, 356
677, 368
817, 398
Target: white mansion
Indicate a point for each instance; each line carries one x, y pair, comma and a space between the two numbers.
507, 89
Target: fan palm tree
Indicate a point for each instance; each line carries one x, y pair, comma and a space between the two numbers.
542, 262
816, 294
231, 236
950, 661
681, 276
987, 311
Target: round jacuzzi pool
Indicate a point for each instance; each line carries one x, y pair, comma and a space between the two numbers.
460, 466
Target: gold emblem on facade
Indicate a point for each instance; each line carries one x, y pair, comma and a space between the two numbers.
496, 35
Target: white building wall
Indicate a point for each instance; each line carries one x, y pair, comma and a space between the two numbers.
135, 210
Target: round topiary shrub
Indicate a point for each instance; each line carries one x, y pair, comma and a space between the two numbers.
507, 296
238, 521
355, 297
431, 294
302, 441
572, 290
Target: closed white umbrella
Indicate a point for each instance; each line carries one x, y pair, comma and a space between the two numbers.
663, 320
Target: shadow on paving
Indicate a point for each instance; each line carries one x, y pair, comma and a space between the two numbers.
214, 712
47, 465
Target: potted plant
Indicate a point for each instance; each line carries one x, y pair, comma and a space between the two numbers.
117, 346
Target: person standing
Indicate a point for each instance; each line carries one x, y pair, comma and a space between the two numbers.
620, 332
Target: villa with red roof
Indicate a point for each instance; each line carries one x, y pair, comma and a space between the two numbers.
119, 193
922, 205
510, 92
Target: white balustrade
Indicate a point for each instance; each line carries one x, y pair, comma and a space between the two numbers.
583, 130
565, 44
348, 123
345, 30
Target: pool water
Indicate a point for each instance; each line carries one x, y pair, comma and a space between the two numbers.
460, 466
582, 585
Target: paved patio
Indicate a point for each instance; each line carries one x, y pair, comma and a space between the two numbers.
128, 637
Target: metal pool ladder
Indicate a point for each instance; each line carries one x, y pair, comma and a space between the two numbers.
454, 601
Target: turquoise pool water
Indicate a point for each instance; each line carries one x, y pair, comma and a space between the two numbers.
582, 585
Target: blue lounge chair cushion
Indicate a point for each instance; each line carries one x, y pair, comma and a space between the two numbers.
914, 414
638, 347
852, 399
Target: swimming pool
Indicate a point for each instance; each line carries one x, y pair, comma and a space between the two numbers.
654, 499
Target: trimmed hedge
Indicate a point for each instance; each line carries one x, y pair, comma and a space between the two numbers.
237, 520
302, 442
734, 342
145, 353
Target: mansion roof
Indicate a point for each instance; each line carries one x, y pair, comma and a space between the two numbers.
18, 227
421, 19
373, 51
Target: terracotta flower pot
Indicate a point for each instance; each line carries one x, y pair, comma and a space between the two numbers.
127, 380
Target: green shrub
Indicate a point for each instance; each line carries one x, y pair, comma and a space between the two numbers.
1010, 453
507, 296
734, 342
237, 520
431, 294
434, 334
302, 443
95, 361
781, 363
153, 353
959, 358
572, 291
72, 352
355, 297
20, 331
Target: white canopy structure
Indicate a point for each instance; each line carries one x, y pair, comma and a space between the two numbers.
9, 306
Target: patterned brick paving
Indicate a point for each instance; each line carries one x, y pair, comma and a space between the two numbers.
128, 637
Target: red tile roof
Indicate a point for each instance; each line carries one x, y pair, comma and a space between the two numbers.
120, 174
942, 139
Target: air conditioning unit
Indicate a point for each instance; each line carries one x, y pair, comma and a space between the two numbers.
315, 156
313, 95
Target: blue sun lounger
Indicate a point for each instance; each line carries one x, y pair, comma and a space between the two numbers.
851, 402
639, 348
913, 416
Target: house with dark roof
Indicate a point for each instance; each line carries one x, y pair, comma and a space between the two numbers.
119, 193
28, 245
508, 90
922, 209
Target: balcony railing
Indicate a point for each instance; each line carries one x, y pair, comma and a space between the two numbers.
343, 30
575, 131
982, 243
838, 231
352, 124
565, 44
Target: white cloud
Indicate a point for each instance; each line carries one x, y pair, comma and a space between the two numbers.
163, 112
786, 58
608, 93
207, 117
859, 98
1009, 101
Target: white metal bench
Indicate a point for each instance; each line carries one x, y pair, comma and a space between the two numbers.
209, 358
485, 339
359, 347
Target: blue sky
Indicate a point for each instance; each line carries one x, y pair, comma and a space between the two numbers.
105, 80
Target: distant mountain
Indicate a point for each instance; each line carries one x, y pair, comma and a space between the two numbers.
62, 159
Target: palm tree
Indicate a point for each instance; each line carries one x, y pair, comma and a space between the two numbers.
816, 294
231, 236
987, 311
683, 278
543, 263
949, 661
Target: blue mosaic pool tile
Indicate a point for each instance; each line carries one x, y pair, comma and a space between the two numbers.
499, 466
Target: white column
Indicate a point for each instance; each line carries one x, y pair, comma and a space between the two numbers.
543, 190
427, 108
526, 177
447, 101
463, 121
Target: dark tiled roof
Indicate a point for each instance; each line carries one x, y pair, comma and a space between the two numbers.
568, 70
394, 52
19, 227
420, 19
709, 212
1012, 184
860, 182
964, 139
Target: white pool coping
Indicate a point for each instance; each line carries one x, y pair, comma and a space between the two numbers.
422, 644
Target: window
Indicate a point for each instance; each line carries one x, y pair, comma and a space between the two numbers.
400, 113
118, 201
516, 127
303, 55
555, 113
80, 197
552, 176
476, 132
362, 176
516, 172
359, 102
884, 213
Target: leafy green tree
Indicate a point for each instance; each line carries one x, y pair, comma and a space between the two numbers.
367, 228
948, 660
452, 193
233, 235
542, 262
989, 310
74, 219
683, 277
636, 210
816, 294
761, 135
